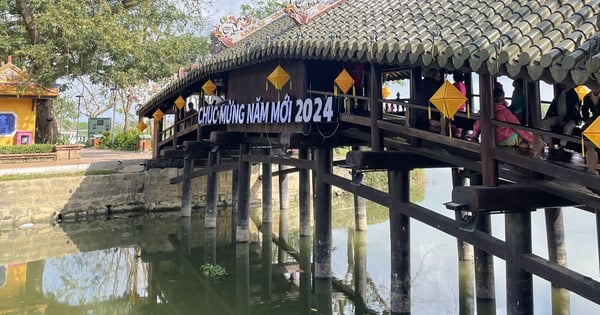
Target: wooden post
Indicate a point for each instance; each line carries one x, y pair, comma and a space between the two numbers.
306, 274
323, 216
323, 296
186, 187
557, 253
519, 283
376, 107
242, 277
304, 196
212, 183
466, 273
210, 245
466, 287
284, 213
484, 262
242, 233
465, 250
399, 187
360, 207
235, 191
266, 261
267, 190
186, 236
360, 264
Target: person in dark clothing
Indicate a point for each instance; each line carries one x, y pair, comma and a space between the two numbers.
563, 113
429, 85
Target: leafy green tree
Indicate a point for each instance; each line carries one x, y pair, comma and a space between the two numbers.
104, 43
263, 8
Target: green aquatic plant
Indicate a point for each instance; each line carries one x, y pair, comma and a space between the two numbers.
213, 271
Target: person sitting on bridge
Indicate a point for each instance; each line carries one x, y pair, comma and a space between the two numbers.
505, 136
562, 113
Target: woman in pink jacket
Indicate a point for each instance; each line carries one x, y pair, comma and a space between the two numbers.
505, 136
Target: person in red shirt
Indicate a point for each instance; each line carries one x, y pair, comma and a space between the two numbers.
505, 136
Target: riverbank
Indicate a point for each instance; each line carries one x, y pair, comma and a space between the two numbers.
90, 159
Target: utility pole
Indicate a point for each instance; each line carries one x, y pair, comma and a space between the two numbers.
112, 128
77, 124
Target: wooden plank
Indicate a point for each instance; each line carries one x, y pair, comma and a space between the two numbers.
390, 160
505, 198
561, 276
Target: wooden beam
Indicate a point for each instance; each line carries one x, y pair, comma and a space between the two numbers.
204, 171
504, 198
279, 160
390, 160
561, 276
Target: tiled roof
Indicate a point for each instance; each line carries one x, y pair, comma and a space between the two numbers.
549, 40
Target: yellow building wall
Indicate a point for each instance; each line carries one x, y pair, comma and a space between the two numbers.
25, 112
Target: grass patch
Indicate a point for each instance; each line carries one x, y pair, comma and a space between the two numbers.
11, 177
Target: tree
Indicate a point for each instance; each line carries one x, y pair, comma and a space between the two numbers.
103, 43
264, 8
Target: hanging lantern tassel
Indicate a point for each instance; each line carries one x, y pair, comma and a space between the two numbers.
582, 148
429, 110
266, 85
335, 93
354, 94
468, 110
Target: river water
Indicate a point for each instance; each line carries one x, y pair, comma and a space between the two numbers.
156, 263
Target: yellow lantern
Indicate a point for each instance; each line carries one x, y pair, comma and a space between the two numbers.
209, 87
180, 102
344, 81
158, 115
448, 99
582, 91
141, 126
279, 77
385, 92
593, 132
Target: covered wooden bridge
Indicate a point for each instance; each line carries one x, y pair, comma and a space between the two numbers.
307, 80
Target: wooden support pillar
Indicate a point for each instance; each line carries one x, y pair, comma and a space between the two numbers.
304, 196
360, 213
242, 233
360, 265
267, 190
484, 262
323, 215
186, 187
323, 296
466, 287
212, 183
466, 272
557, 253
242, 278
186, 236
376, 107
235, 191
266, 259
465, 250
399, 187
519, 283
210, 245
284, 213
306, 275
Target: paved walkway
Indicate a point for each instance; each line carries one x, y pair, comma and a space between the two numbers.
91, 159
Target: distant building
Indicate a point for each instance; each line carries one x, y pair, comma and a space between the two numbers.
18, 102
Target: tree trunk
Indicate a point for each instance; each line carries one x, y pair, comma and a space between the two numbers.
46, 125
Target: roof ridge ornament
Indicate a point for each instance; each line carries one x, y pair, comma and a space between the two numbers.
304, 11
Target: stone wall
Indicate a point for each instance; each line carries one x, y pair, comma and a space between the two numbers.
42, 200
